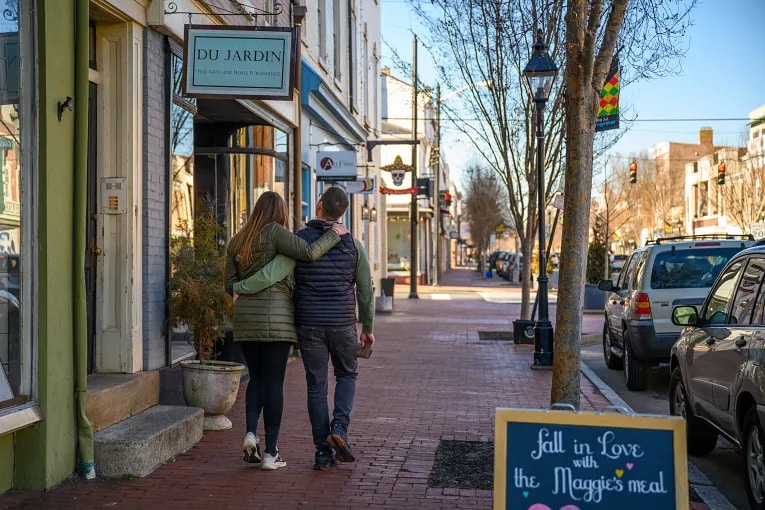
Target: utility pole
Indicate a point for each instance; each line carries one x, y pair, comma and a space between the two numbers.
437, 192
414, 216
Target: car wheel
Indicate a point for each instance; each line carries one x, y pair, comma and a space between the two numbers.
701, 437
754, 464
635, 370
612, 361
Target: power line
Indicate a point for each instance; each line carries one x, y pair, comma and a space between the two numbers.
721, 119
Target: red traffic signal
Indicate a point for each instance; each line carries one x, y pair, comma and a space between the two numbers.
633, 173
721, 173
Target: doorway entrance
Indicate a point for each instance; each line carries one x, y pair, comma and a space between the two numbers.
91, 229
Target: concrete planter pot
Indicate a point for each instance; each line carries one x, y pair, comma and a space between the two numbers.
213, 386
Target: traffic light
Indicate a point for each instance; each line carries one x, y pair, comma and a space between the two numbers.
633, 173
721, 173
448, 199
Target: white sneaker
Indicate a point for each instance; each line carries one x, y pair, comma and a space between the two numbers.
251, 448
271, 463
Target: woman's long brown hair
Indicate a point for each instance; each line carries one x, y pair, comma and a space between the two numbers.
270, 208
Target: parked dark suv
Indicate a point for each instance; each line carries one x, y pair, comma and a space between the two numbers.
718, 378
638, 330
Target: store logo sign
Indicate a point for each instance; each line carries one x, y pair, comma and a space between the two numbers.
336, 166
226, 61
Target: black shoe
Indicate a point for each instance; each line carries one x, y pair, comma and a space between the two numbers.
339, 441
324, 459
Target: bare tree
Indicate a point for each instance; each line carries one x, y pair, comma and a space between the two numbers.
480, 48
655, 186
649, 32
483, 205
744, 192
614, 209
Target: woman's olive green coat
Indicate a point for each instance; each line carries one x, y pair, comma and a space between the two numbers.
268, 316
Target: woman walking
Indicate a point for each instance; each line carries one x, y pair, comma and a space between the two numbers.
264, 323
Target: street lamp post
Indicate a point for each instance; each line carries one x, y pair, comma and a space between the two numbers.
540, 73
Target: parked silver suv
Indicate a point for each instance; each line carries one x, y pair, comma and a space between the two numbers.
718, 378
638, 331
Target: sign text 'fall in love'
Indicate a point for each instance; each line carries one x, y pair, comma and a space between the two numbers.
571, 467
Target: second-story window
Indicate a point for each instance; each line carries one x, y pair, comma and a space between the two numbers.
352, 71
365, 74
337, 40
322, 17
375, 85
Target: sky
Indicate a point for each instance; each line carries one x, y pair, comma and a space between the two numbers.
722, 76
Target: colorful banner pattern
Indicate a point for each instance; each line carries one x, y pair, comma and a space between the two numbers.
608, 107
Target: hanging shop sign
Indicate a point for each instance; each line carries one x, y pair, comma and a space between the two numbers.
362, 186
567, 460
396, 191
227, 61
336, 165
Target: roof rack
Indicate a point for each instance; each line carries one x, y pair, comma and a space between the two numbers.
699, 237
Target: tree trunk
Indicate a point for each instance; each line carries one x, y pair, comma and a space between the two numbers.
578, 184
585, 73
526, 275
527, 244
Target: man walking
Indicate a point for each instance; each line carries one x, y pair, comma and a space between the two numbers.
325, 297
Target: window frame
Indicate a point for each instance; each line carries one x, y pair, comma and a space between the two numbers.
757, 292
19, 415
717, 285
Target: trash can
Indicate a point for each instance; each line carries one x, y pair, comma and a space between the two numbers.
523, 332
387, 286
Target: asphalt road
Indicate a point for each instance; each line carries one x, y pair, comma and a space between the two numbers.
724, 466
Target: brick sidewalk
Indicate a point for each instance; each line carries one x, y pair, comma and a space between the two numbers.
429, 379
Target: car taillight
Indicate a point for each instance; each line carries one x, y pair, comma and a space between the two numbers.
643, 307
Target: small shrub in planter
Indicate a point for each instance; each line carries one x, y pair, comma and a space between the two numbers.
199, 302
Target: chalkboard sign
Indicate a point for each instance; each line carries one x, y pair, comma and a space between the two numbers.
562, 460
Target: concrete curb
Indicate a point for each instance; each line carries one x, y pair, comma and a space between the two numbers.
703, 486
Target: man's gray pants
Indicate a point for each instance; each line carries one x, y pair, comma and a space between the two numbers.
317, 345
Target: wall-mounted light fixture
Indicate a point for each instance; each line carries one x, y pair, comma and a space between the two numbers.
365, 212
373, 214
66, 105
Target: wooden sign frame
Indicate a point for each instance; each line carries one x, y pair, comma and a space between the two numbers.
673, 424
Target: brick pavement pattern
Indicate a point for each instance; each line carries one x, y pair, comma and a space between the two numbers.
430, 378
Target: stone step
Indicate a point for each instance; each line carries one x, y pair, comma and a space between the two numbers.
139, 445
112, 398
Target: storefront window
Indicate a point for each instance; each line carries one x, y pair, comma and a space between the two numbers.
15, 341
258, 163
182, 112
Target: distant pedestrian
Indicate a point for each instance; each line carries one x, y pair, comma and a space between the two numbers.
326, 293
264, 323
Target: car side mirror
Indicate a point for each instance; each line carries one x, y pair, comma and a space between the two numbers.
607, 285
685, 316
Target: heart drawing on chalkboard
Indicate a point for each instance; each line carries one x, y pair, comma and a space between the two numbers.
630, 465
619, 472
525, 494
540, 506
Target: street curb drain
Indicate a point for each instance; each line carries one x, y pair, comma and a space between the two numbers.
703, 486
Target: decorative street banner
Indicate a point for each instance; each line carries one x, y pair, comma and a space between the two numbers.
336, 165
395, 191
562, 460
362, 186
227, 61
608, 107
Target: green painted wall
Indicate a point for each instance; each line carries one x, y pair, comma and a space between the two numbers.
6, 462
45, 454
